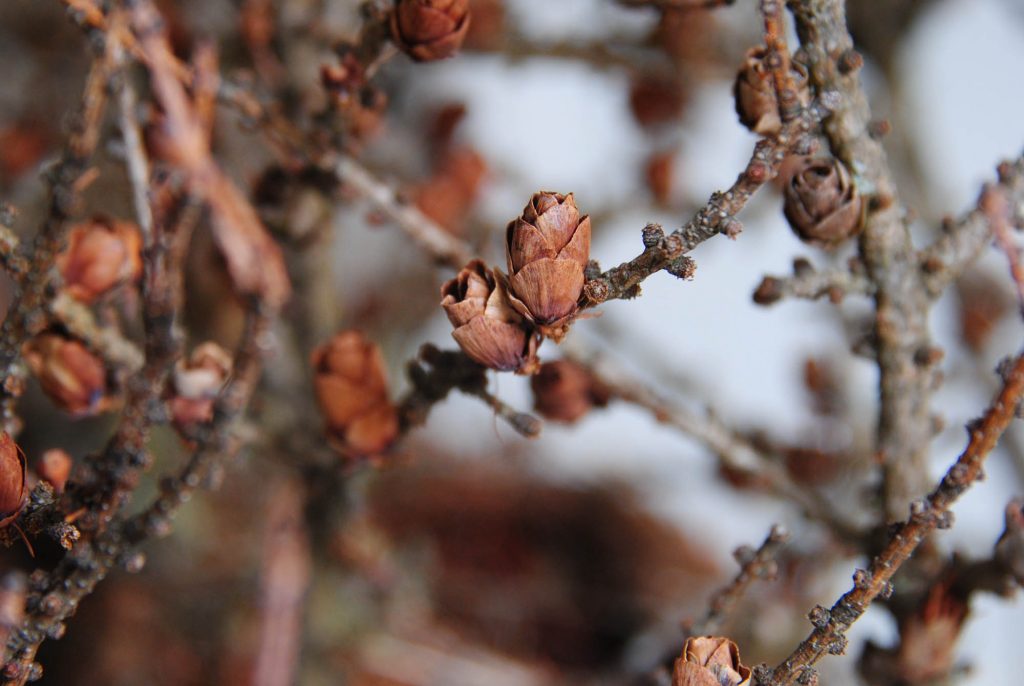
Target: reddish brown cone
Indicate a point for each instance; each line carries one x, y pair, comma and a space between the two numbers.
72, 376
12, 479
54, 467
197, 383
821, 203
428, 30
352, 391
564, 391
548, 247
709, 661
754, 91
101, 254
487, 327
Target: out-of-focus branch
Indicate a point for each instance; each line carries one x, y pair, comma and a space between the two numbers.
108, 341
926, 515
136, 160
962, 241
435, 373
66, 178
901, 312
995, 202
54, 597
807, 282
732, 449
444, 247
287, 567
441, 245
754, 565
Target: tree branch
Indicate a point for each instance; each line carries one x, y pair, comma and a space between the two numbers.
926, 515
901, 314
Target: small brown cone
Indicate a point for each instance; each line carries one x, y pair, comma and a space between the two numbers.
196, 383
548, 247
101, 254
54, 467
429, 30
709, 661
487, 327
73, 377
12, 479
821, 203
564, 391
352, 391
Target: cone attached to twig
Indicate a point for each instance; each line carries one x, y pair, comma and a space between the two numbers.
487, 327
73, 377
548, 247
709, 661
822, 204
12, 479
754, 91
565, 391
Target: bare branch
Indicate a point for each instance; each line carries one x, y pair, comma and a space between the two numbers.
963, 241
901, 316
754, 565
926, 515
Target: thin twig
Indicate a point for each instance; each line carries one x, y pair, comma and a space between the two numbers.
108, 341
732, 449
440, 244
996, 205
807, 282
754, 565
717, 216
926, 515
963, 241
136, 160
436, 373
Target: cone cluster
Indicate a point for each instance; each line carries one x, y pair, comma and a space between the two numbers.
500, 318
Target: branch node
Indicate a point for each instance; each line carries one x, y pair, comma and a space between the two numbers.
819, 616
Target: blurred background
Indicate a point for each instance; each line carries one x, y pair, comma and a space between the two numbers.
477, 556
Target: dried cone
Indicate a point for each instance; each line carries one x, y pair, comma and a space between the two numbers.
448, 195
928, 637
352, 391
564, 391
54, 467
12, 479
821, 203
101, 254
428, 30
197, 383
754, 92
72, 376
487, 327
709, 661
656, 99
659, 173
548, 248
